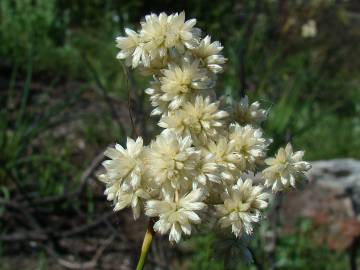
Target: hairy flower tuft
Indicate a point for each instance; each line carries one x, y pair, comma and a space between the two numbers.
181, 82
123, 177
200, 119
241, 207
249, 143
125, 165
171, 159
176, 215
285, 169
209, 53
245, 113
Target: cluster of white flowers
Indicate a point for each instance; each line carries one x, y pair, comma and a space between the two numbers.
206, 158
309, 29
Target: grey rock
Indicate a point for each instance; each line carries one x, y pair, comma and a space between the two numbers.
341, 174
331, 200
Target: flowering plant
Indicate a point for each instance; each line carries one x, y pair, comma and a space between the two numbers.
211, 158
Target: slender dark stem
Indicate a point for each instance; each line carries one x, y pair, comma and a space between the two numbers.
353, 254
131, 115
130, 87
256, 262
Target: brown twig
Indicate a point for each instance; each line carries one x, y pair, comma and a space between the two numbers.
42, 235
30, 218
87, 227
81, 265
90, 170
83, 181
24, 236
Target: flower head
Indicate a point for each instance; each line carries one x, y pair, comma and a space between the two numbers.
160, 33
123, 177
129, 46
224, 154
133, 197
200, 119
181, 82
241, 207
308, 30
125, 165
176, 215
245, 113
285, 169
206, 170
155, 94
249, 143
209, 53
171, 159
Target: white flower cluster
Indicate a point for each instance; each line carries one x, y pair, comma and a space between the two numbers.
205, 159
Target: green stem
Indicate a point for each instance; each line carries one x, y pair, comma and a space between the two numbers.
149, 235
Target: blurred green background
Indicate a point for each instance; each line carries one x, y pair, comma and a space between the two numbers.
64, 98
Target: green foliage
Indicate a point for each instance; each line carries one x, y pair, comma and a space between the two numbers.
34, 155
206, 258
20, 128
294, 78
299, 251
31, 27
25, 25
293, 251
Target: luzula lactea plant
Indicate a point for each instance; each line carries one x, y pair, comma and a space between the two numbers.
205, 159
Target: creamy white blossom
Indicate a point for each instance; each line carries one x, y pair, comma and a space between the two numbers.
176, 215
155, 67
245, 113
171, 159
157, 36
130, 48
200, 119
131, 198
241, 207
249, 143
160, 33
285, 169
123, 176
225, 156
209, 53
161, 106
309, 30
125, 165
206, 170
180, 83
